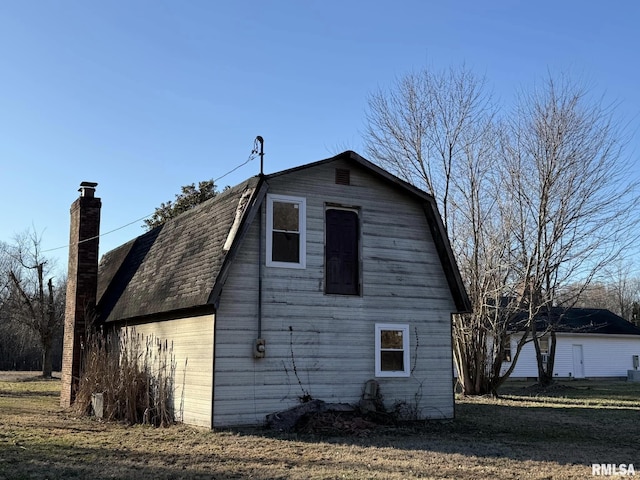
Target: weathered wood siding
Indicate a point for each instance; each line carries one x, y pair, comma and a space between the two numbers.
323, 345
603, 356
190, 341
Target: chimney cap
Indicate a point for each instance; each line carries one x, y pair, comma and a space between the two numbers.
87, 188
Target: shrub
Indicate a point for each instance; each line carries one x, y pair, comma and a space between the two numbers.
135, 375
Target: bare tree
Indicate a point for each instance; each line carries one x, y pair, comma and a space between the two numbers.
438, 131
623, 289
575, 208
4, 279
35, 301
531, 202
617, 290
427, 123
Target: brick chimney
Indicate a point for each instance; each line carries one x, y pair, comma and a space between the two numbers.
82, 286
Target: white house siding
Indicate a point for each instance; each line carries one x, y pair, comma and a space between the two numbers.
323, 345
603, 356
191, 343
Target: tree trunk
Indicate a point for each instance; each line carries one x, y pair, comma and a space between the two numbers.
46, 358
546, 378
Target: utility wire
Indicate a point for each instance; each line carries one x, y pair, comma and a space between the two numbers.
252, 155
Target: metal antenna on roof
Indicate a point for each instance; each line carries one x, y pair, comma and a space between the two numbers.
255, 150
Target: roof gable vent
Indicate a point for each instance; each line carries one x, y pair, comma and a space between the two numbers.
343, 176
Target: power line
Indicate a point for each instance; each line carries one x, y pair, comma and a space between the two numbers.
252, 155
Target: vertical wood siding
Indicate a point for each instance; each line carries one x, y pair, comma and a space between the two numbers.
191, 343
603, 356
323, 345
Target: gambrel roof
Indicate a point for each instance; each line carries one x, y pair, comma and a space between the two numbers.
183, 264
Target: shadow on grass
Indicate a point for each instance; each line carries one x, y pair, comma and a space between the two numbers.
68, 462
21, 377
500, 435
569, 435
27, 394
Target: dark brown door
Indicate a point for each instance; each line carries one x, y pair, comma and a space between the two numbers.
341, 252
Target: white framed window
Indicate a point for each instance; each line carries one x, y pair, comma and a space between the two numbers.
286, 231
392, 350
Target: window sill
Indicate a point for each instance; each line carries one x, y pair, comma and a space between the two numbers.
298, 266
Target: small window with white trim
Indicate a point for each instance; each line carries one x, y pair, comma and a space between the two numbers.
286, 231
392, 350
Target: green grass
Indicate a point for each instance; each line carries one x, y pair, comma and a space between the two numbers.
525, 434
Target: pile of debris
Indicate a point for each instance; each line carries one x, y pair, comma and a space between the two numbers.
337, 423
319, 417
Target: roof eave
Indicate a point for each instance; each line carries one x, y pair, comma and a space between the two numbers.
447, 258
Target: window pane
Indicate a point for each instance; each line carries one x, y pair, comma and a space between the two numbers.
286, 247
391, 339
392, 361
285, 216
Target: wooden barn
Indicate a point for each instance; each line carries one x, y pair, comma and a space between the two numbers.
304, 283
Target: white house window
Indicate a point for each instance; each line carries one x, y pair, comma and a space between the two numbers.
392, 350
506, 345
544, 344
544, 348
286, 231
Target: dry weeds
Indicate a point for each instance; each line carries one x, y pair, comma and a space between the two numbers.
520, 436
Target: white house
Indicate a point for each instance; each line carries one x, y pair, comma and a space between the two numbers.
590, 343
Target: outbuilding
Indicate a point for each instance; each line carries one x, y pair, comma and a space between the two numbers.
300, 284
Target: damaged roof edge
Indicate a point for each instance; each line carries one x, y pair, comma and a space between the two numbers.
124, 265
253, 207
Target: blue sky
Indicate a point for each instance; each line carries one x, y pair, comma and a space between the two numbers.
145, 96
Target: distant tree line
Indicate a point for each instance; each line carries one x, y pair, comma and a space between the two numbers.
618, 291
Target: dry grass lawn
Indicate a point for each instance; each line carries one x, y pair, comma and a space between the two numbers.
556, 435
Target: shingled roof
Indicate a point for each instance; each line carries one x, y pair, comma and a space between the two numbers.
586, 320
183, 263
176, 265
578, 320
